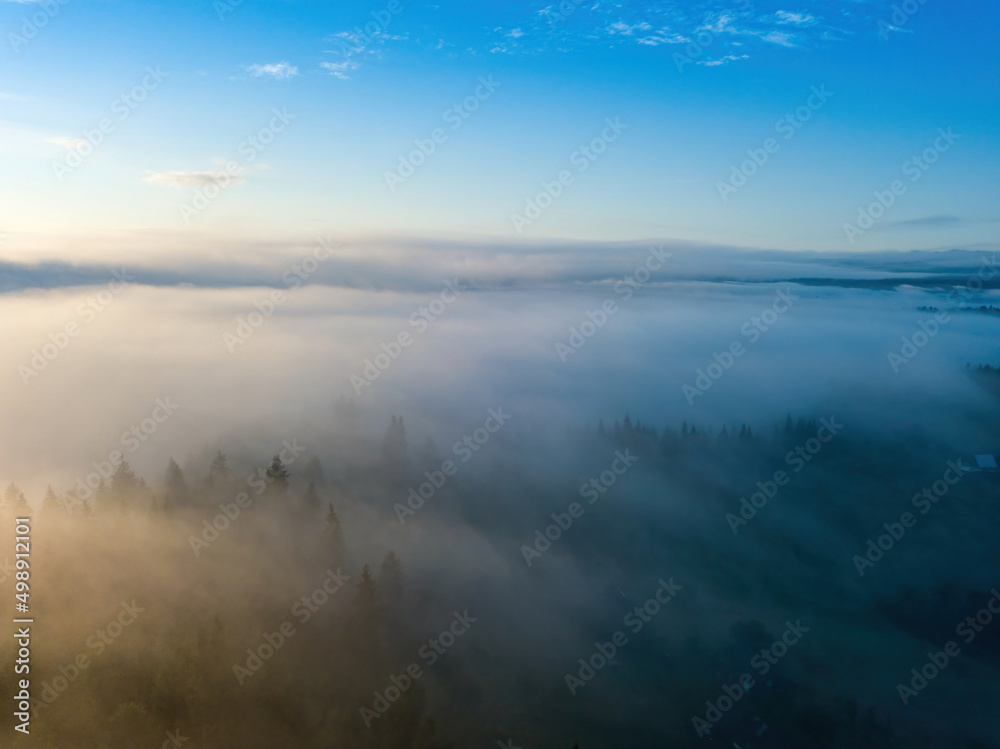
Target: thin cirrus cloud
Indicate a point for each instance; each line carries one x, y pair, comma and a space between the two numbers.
181, 180
722, 60
625, 29
278, 70
341, 69
787, 18
665, 24
353, 47
663, 36
779, 37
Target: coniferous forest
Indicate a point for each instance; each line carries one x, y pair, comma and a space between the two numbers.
311, 599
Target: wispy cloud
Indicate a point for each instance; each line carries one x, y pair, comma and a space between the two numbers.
795, 19
620, 27
779, 37
729, 26
280, 70
896, 29
663, 36
722, 60
341, 69
354, 46
180, 180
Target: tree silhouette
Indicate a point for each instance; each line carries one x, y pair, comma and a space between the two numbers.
394, 445
177, 490
50, 502
390, 581
15, 501
218, 472
277, 476
364, 595
333, 524
125, 487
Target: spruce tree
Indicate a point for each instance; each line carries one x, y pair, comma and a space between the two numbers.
394, 445
15, 502
177, 490
333, 524
364, 596
278, 476
50, 503
125, 487
218, 473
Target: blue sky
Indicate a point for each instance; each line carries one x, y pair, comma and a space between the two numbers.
696, 84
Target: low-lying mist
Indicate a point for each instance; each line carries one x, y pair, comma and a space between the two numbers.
650, 505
